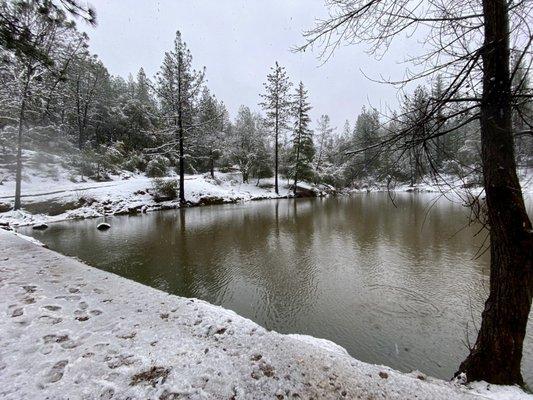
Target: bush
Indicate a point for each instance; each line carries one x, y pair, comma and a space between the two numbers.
157, 167
134, 162
164, 189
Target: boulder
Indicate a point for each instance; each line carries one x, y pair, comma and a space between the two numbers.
211, 200
103, 226
4, 207
40, 226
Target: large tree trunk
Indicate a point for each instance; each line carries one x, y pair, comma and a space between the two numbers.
18, 174
497, 353
276, 153
182, 162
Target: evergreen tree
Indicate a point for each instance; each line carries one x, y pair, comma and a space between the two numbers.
277, 104
324, 140
303, 149
210, 128
34, 44
416, 116
178, 86
248, 147
366, 134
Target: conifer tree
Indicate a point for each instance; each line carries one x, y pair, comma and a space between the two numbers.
303, 149
324, 138
277, 104
38, 46
178, 86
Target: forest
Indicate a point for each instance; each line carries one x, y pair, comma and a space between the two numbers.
60, 100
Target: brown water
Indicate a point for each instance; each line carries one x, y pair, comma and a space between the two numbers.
396, 286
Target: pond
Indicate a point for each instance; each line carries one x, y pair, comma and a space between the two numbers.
398, 284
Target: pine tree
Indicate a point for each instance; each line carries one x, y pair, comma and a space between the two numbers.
303, 149
209, 131
439, 145
143, 91
415, 115
366, 134
248, 144
87, 80
178, 86
324, 139
34, 44
277, 104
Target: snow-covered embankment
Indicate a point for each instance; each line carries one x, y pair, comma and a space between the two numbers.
48, 201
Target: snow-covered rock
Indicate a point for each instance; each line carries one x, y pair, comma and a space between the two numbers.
103, 226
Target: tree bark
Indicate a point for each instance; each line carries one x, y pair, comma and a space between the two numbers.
212, 165
181, 133
497, 353
182, 161
18, 174
276, 151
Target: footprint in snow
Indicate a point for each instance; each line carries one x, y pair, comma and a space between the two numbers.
52, 308
56, 372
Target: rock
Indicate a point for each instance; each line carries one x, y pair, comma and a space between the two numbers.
40, 227
383, 375
5, 207
103, 226
211, 200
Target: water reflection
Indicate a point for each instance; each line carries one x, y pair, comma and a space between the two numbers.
394, 285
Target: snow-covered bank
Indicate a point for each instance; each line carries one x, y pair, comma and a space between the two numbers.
440, 184
70, 331
63, 199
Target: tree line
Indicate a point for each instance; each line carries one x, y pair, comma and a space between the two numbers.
57, 97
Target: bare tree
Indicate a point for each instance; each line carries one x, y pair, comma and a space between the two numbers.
470, 44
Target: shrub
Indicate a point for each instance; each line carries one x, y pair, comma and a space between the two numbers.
164, 189
134, 162
157, 167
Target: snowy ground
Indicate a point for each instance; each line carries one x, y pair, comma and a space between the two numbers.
444, 184
70, 331
123, 195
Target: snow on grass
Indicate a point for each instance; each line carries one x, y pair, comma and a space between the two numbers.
70, 331
444, 183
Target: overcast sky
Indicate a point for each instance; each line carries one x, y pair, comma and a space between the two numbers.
238, 41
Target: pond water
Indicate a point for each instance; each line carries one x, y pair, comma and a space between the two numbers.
397, 284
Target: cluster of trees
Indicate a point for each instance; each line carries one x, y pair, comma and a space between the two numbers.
56, 96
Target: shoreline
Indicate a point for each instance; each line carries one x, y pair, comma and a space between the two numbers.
81, 333
134, 195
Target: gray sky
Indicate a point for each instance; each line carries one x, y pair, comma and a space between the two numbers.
238, 41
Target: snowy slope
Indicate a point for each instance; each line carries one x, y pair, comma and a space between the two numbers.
70, 331
93, 199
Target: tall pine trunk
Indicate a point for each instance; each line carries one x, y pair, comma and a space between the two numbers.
497, 353
182, 161
18, 174
276, 151
180, 132
22, 118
